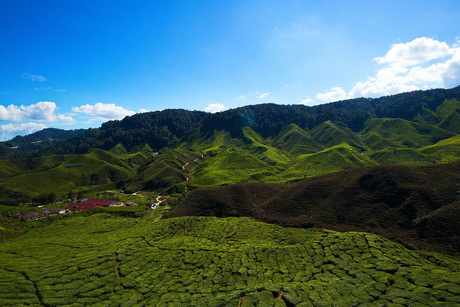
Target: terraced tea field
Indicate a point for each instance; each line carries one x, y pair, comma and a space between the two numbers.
104, 260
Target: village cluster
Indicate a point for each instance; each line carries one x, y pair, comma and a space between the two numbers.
82, 205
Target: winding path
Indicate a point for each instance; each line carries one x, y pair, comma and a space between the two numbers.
186, 164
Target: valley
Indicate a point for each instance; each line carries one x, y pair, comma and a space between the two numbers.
349, 203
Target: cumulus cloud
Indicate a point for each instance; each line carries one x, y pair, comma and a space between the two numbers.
43, 110
11, 130
215, 107
105, 111
241, 97
64, 118
10, 112
418, 51
263, 95
37, 78
419, 64
40, 111
335, 94
307, 101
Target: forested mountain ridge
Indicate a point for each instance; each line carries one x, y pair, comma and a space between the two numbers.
259, 143
165, 128
35, 141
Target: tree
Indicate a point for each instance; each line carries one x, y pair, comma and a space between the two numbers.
71, 195
52, 198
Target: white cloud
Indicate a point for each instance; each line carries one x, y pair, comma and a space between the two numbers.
335, 94
241, 97
423, 63
37, 78
104, 110
10, 112
307, 101
418, 51
43, 110
40, 111
11, 130
144, 110
215, 107
263, 95
65, 118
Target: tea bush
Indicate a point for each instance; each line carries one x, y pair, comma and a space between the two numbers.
105, 260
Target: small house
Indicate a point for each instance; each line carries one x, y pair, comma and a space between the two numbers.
31, 216
48, 211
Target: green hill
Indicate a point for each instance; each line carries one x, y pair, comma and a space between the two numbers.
206, 261
336, 158
230, 166
381, 133
60, 174
259, 143
444, 151
401, 156
426, 116
329, 134
448, 107
163, 171
119, 149
296, 141
267, 153
391, 200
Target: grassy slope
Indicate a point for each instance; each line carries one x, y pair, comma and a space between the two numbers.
62, 173
165, 170
329, 134
401, 156
333, 159
207, 261
449, 112
393, 201
237, 160
296, 141
381, 133
444, 151
292, 155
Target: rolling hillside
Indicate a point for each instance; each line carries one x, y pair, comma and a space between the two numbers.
362, 197
207, 261
260, 143
399, 202
98, 169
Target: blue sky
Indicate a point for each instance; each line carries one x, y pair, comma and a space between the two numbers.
75, 64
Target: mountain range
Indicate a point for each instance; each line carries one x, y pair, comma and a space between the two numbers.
351, 203
177, 149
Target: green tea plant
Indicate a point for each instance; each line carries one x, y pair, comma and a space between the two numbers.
105, 260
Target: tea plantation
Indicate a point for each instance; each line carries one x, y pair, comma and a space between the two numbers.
103, 260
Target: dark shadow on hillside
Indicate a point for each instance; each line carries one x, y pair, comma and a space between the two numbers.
418, 206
